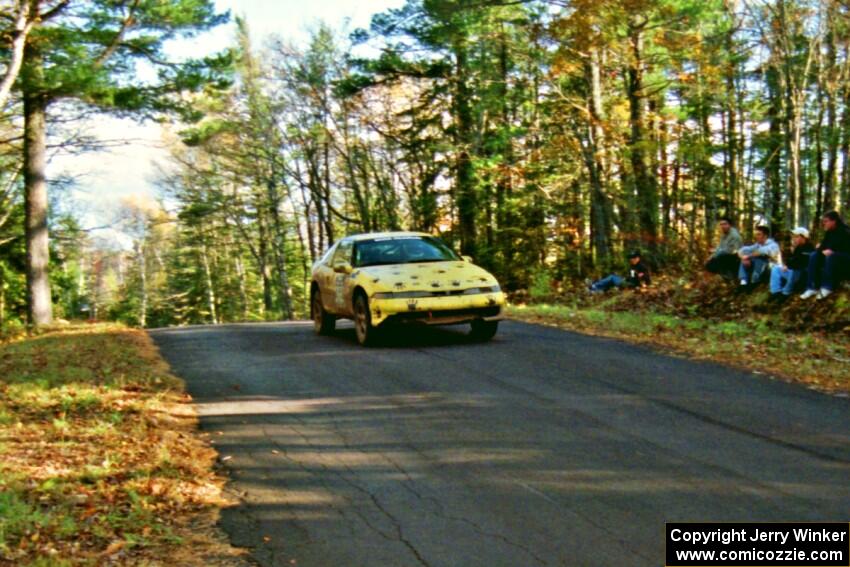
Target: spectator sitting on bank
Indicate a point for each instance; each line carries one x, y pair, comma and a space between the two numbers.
757, 258
784, 279
830, 262
638, 276
724, 260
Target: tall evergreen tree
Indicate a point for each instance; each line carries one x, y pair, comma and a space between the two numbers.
87, 51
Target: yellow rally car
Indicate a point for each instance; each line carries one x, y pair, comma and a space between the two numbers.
402, 277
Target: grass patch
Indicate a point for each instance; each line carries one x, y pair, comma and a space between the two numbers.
815, 357
87, 414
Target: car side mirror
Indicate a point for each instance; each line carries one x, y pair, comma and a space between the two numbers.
343, 268
467, 259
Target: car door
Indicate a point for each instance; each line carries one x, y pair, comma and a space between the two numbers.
324, 276
338, 288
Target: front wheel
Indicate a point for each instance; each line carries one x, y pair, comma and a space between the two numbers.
483, 330
363, 321
323, 322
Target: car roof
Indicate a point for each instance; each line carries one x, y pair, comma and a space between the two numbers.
371, 235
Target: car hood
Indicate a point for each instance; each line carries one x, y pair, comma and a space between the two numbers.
430, 276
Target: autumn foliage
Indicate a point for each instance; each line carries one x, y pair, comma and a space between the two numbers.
99, 458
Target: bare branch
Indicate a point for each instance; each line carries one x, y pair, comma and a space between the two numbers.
116, 41
55, 11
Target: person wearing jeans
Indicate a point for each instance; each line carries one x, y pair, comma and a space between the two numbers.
783, 279
757, 258
638, 276
830, 262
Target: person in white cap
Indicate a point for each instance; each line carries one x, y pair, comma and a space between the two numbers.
784, 278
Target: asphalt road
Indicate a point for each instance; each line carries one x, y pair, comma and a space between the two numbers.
540, 448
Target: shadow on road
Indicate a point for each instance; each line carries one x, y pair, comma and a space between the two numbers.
413, 336
540, 448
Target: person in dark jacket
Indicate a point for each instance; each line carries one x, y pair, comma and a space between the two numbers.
783, 278
830, 262
638, 276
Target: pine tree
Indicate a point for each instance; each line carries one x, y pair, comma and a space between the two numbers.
87, 51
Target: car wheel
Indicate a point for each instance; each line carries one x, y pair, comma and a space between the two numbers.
363, 321
323, 322
483, 330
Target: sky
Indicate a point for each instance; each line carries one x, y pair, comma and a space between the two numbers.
128, 170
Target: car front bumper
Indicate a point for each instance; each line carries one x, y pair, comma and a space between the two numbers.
449, 310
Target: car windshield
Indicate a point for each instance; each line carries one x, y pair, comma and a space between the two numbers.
401, 250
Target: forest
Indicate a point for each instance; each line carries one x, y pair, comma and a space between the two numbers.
544, 138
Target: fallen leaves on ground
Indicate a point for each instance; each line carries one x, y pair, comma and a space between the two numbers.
100, 461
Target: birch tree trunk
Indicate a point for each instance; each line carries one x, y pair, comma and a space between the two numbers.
143, 273
211, 300
23, 24
600, 207
243, 290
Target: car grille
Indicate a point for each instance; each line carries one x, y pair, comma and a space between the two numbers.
411, 316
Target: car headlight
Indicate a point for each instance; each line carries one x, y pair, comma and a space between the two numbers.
483, 289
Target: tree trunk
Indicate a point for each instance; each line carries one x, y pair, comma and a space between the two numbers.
143, 273
243, 288
664, 160
2, 304
39, 303
796, 174
819, 151
329, 227
732, 158
831, 80
263, 263
504, 185
280, 250
844, 198
600, 205
464, 181
209, 284
773, 173
645, 183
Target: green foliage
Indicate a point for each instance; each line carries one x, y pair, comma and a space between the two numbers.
91, 54
544, 142
541, 284
17, 517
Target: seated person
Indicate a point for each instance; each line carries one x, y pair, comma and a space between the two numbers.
724, 260
830, 262
757, 258
638, 276
783, 279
